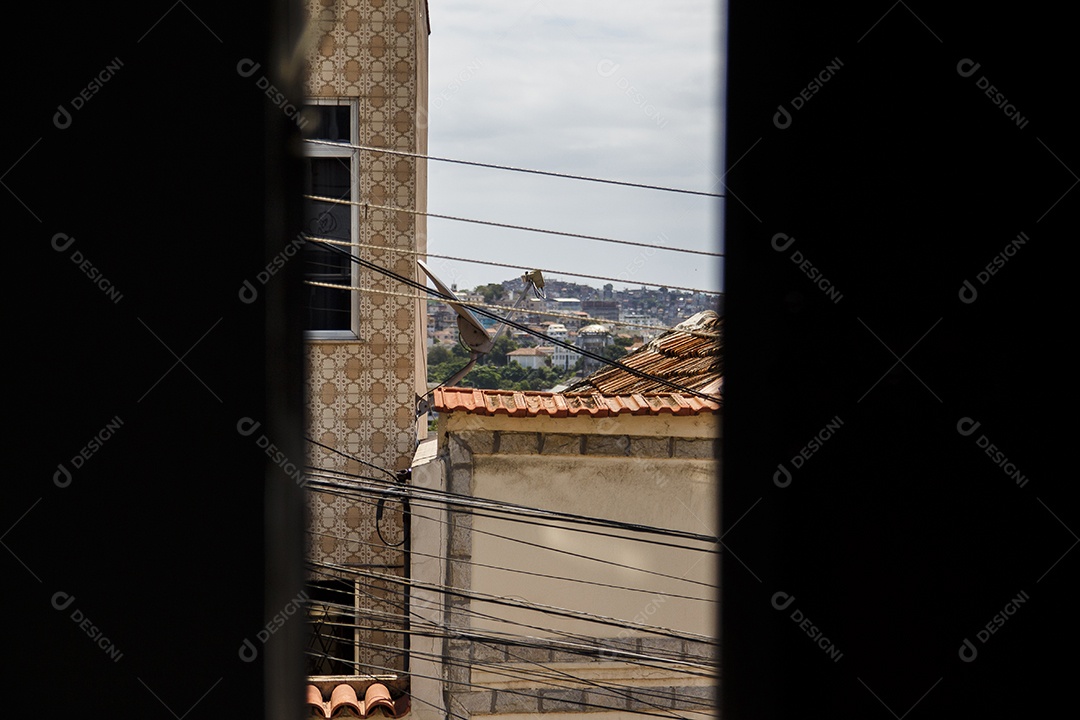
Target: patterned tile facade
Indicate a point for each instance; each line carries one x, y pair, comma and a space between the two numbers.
362, 393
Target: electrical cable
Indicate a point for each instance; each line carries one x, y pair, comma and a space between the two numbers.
530, 573
389, 151
585, 645
524, 328
451, 498
549, 678
508, 226
530, 311
564, 552
351, 457
501, 690
528, 605
405, 251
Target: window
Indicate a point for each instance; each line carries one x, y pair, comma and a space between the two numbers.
334, 173
333, 646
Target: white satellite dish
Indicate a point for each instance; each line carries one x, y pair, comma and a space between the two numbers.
473, 334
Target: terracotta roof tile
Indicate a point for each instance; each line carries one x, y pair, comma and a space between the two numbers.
344, 702
530, 403
690, 354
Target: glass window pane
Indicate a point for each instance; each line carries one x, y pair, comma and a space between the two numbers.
328, 308
331, 122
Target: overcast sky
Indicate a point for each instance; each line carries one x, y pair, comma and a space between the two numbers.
625, 90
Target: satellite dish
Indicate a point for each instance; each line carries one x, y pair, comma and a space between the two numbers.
472, 332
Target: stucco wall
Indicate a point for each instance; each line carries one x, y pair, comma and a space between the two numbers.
658, 470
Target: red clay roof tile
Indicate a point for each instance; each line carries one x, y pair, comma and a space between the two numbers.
530, 403
344, 702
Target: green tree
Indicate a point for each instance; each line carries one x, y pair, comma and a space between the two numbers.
492, 292
438, 353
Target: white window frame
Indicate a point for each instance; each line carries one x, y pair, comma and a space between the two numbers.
323, 151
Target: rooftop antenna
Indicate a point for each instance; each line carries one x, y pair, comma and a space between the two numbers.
471, 332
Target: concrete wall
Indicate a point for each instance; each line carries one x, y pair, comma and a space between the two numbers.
660, 471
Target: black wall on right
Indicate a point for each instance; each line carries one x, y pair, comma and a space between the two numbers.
897, 502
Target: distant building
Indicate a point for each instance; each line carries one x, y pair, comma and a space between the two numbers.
567, 304
593, 338
562, 358
642, 319
603, 309
533, 357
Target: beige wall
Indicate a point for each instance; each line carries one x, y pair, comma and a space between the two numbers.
679, 494
653, 470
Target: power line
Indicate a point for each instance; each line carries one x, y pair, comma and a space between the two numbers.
559, 551
508, 226
530, 573
450, 498
548, 678
510, 168
548, 313
406, 251
525, 328
584, 646
351, 457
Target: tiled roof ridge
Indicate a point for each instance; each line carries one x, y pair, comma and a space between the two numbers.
344, 702
538, 403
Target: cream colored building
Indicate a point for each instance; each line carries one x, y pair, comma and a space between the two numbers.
543, 618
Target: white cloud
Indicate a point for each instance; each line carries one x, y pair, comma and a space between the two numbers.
623, 90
